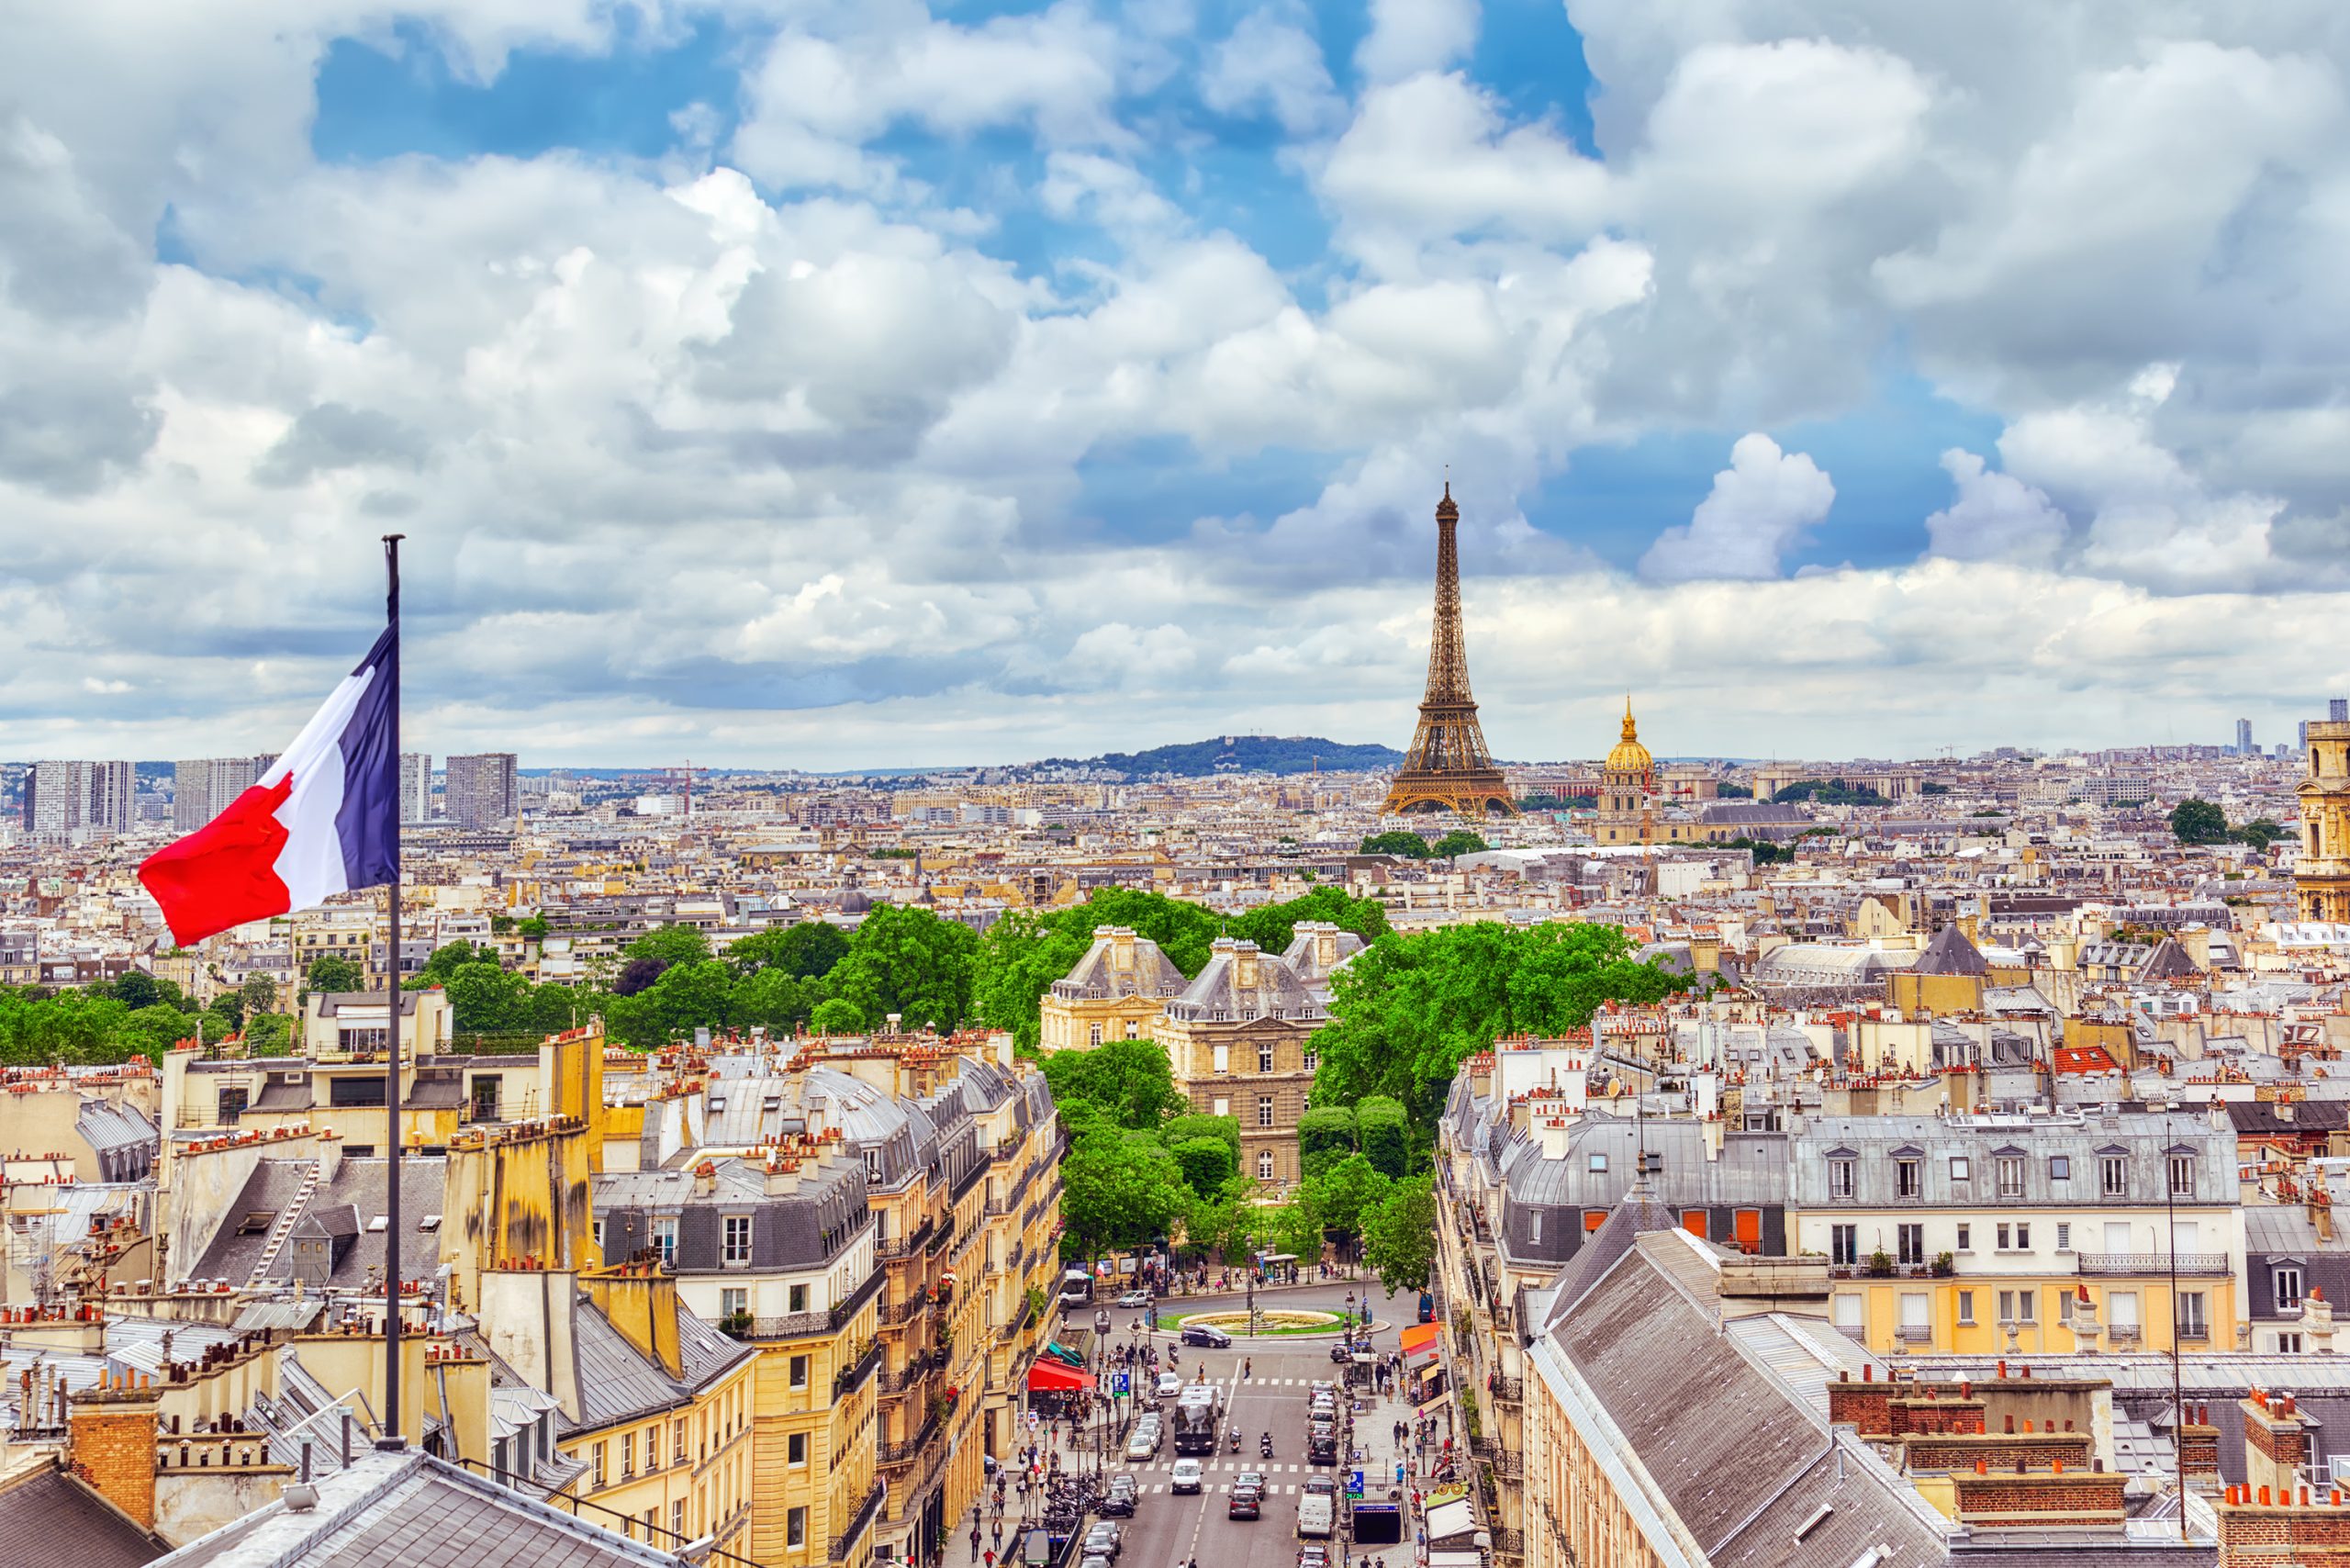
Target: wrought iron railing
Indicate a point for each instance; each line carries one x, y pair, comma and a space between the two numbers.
2202, 1265
861, 1522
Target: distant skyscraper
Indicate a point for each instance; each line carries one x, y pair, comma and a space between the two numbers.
2244, 737
2337, 710
110, 802
480, 790
202, 788
2305, 735
416, 786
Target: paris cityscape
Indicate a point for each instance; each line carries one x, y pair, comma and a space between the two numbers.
1425, 784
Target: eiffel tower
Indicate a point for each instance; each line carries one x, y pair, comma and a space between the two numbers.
1448, 768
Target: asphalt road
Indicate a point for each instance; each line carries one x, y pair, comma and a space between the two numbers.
1169, 1530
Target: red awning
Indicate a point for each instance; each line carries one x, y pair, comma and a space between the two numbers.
1058, 1376
1419, 1336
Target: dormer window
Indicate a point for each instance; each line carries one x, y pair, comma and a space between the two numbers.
1908, 1177
1843, 1177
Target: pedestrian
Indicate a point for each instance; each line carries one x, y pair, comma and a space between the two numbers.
975, 1544
998, 1530
988, 1557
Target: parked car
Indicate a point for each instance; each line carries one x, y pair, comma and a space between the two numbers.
1094, 1562
1321, 1451
1103, 1540
1312, 1554
1207, 1335
1119, 1500
1186, 1476
1143, 1444
1134, 1298
1246, 1503
1169, 1385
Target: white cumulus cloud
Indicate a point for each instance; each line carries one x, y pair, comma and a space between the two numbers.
1758, 509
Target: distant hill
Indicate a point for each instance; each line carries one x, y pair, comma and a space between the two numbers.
1240, 754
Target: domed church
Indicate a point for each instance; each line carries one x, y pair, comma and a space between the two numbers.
1627, 790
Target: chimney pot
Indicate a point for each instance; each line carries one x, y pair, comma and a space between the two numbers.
1982, 1467
2263, 1496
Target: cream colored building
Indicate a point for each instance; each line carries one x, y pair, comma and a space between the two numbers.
1117, 991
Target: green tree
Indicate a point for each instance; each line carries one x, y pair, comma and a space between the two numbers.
446, 960
1198, 1124
1131, 1081
1273, 926
2198, 822
486, 1000
1459, 841
805, 951
1399, 1236
690, 996
909, 962
531, 927
137, 989
1227, 1222
257, 994
669, 945
269, 1034
1383, 1128
1291, 1228
1340, 1195
1408, 1010
332, 972
1396, 841
834, 1015
776, 1000
1027, 950
1326, 1135
1208, 1163
1123, 1190
2260, 833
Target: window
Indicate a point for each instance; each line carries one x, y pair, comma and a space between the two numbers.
1223, 1059
1841, 1178
595, 1465
1264, 1165
1093, 1034
1966, 1239
2027, 1311
1912, 1241
2063, 1237
1312, 1059
1223, 1107
737, 1245
678, 1443
799, 1298
795, 1450
677, 1520
2288, 1344
628, 1454
1598, 1165
1264, 1109
2113, 1175
664, 1240
1848, 1310
1264, 1058
1844, 1244
2065, 1300
2289, 1288
1966, 1306
731, 1302
2003, 1238
795, 1528
1959, 1168
2192, 1324
799, 1371
1908, 1177
2011, 1168
2022, 1237
2121, 1312
2060, 1168
1534, 1226
2182, 1175
600, 1237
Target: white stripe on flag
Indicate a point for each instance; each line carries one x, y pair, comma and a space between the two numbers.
311, 864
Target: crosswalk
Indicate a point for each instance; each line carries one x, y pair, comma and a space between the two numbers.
1220, 1488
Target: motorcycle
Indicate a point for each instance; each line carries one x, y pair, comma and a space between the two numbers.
1236, 1439
1265, 1445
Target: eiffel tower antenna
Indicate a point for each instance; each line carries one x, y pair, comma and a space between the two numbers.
1448, 768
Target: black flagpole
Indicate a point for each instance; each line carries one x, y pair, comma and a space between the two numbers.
391, 1437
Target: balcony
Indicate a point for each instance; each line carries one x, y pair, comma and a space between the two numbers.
1509, 1390
799, 1324
903, 1246
867, 1512
898, 1454
908, 1377
2200, 1265
851, 1378
897, 1312
1915, 1333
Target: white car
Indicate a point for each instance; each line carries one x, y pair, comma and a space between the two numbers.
1185, 1476
1170, 1384
1143, 1444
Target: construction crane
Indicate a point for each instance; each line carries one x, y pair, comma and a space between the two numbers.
684, 777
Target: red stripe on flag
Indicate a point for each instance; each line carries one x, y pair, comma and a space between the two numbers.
224, 873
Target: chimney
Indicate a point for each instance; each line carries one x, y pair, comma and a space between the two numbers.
2276, 1440
2317, 1321
111, 1442
526, 1317
641, 1301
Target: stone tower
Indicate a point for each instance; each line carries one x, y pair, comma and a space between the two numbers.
2321, 874
1448, 768
1627, 789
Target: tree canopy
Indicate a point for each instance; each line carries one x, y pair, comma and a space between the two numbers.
1459, 841
2194, 820
333, 972
1399, 1236
1407, 1011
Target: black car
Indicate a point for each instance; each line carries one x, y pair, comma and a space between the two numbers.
1246, 1503
1207, 1335
1322, 1451
1103, 1540
1342, 1352
1119, 1500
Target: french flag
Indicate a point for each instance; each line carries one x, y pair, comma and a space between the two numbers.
323, 821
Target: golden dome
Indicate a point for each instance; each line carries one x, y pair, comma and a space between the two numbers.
1630, 755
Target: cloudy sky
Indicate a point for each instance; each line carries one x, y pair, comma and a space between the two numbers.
830, 382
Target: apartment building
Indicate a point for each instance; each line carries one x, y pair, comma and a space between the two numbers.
1240, 1039
72, 797
1117, 991
203, 787
1982, 1234
416, 787
480, 790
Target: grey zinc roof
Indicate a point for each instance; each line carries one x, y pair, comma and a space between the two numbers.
1219, 993
1154, 974
616, 1381
1949, 953
408, 1510
107, 1125
45, 1508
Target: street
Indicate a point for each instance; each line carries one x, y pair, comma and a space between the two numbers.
1168, 1528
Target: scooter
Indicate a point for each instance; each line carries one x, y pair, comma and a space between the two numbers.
1265, 1445
1236, 1439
